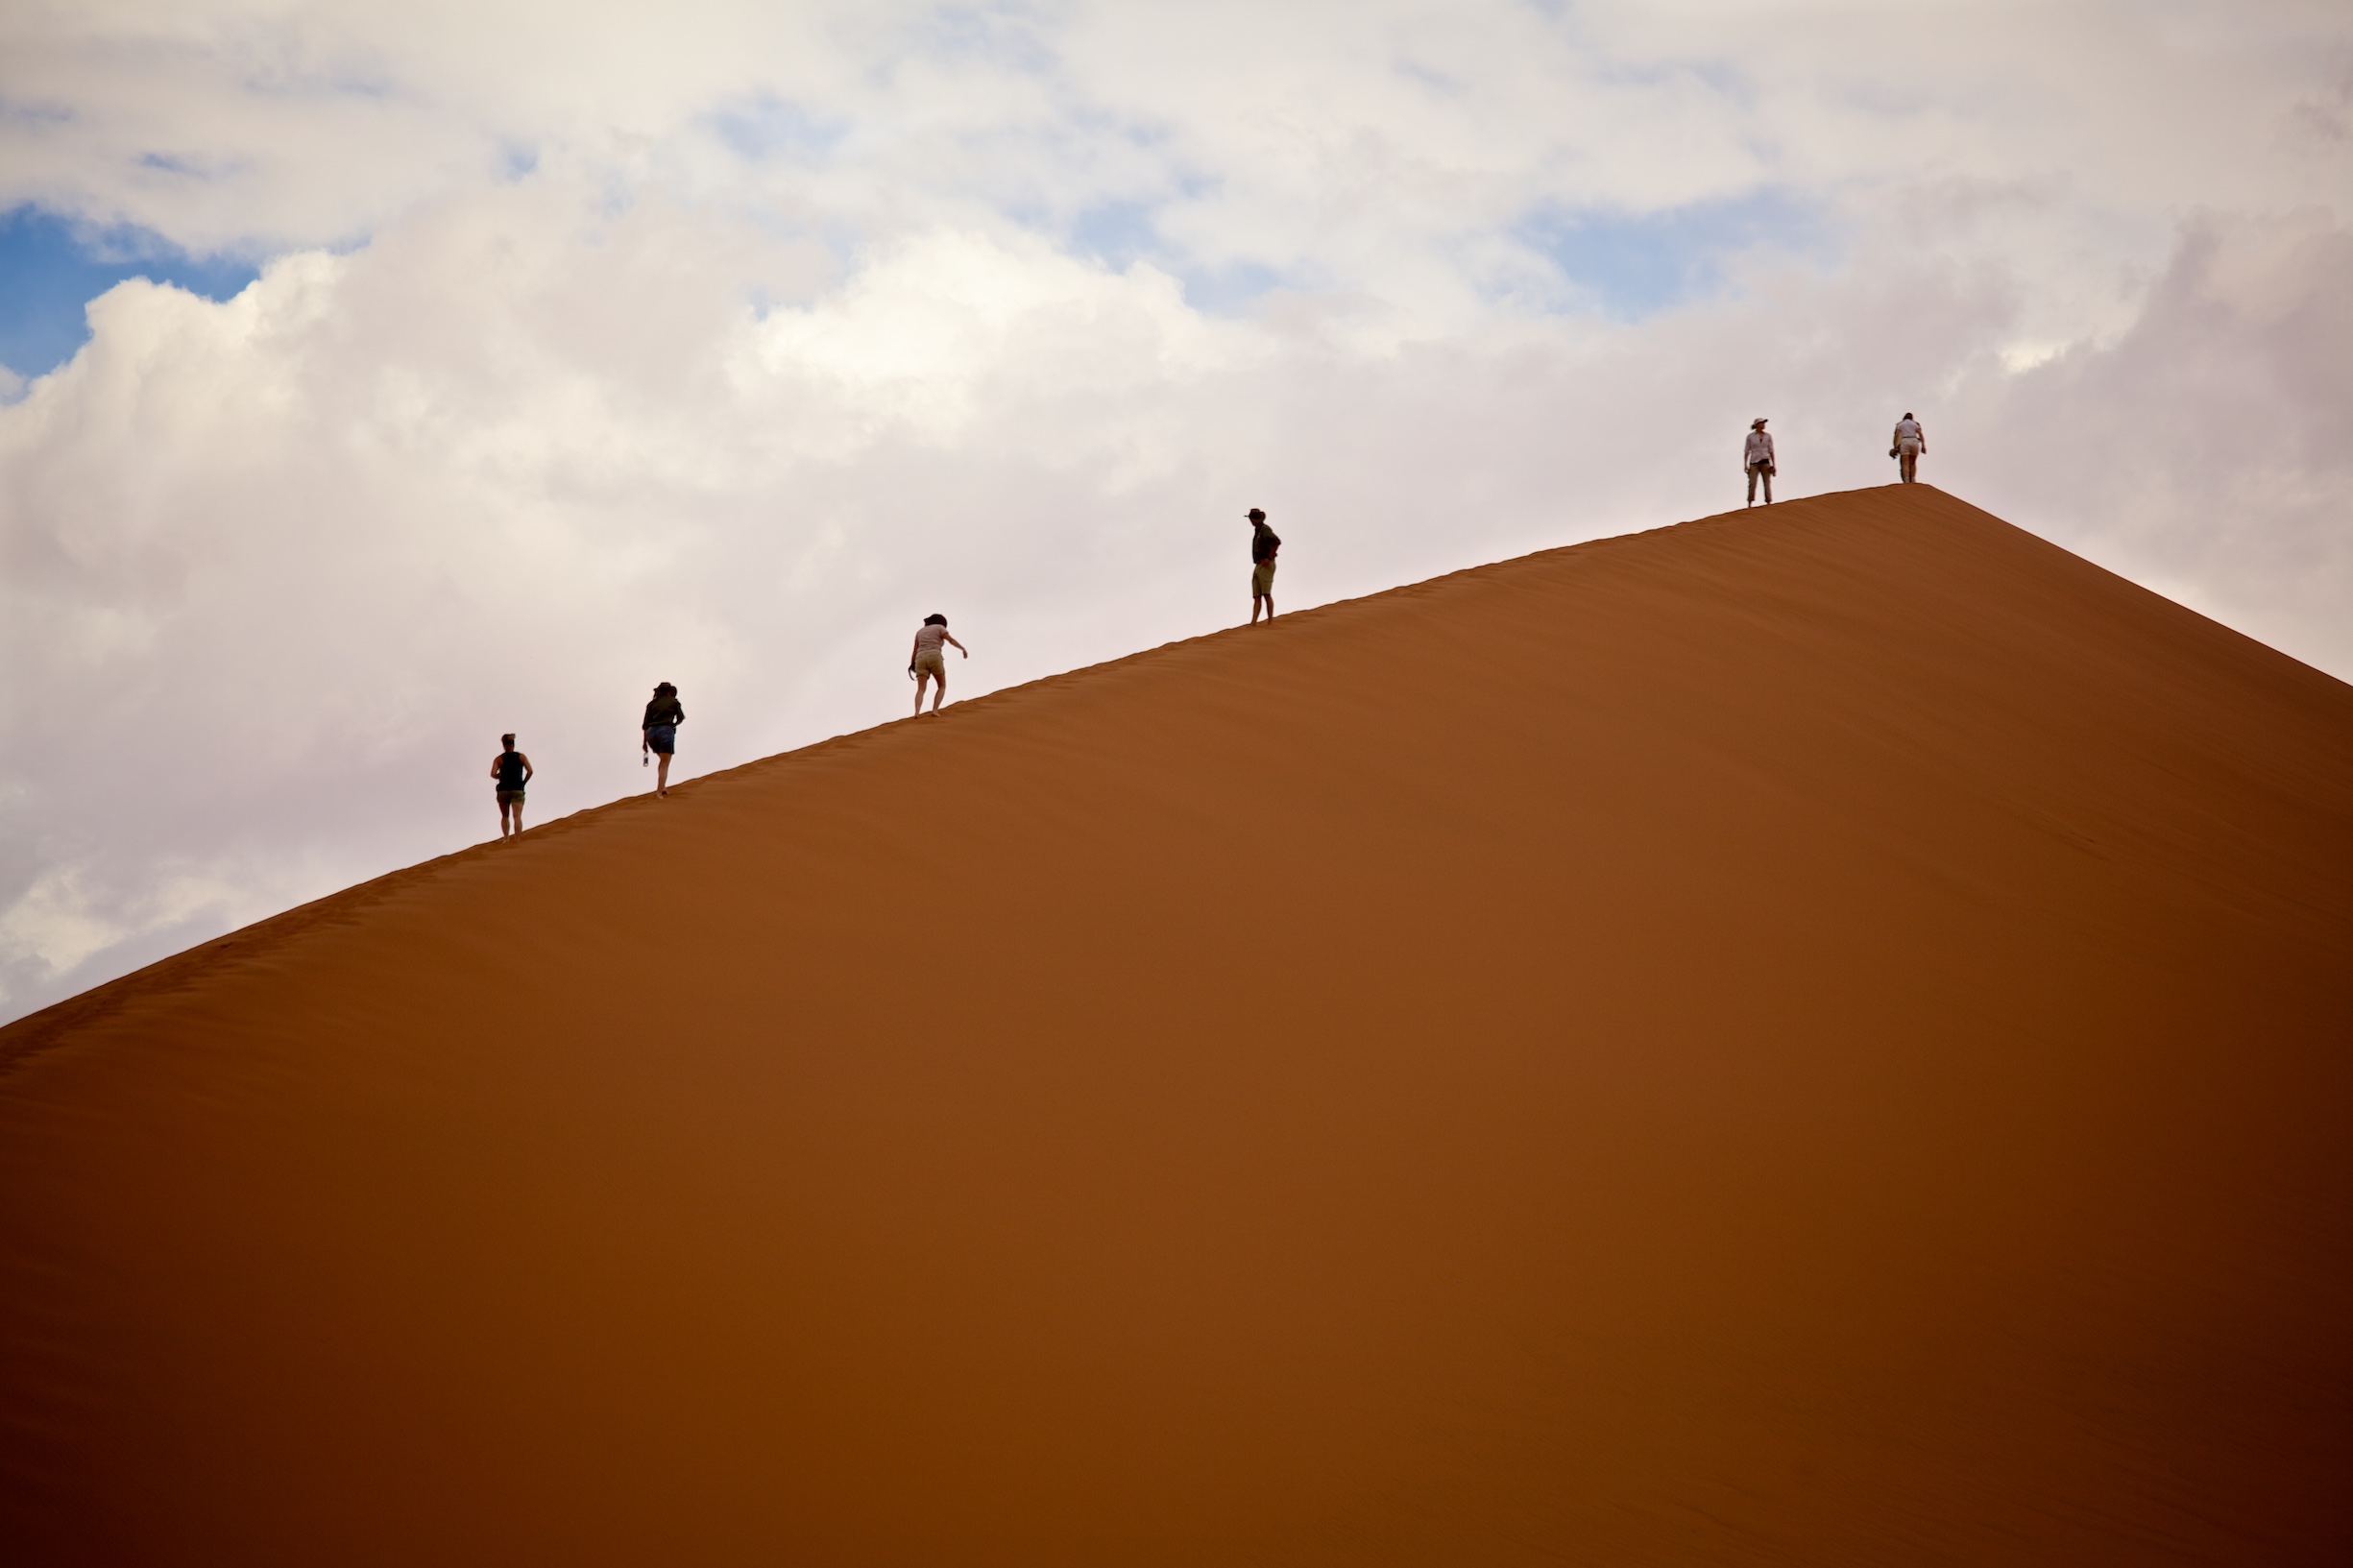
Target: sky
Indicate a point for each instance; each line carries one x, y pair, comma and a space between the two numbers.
380, 378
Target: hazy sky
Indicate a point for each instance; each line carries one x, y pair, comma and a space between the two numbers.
455, 368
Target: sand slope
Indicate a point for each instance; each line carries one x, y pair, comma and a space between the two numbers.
1818, 1036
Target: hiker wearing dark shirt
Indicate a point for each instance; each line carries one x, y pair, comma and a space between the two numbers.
660, 729
1264, 543
513, 770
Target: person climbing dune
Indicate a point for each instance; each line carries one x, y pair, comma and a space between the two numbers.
513, 770
660, 729
929, 663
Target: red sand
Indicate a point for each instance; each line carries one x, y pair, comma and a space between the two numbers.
1813, 1036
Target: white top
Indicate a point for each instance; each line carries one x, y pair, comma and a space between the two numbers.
1907, 430
1760, 448
927, 640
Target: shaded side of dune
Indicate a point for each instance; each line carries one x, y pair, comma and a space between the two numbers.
1810, 1036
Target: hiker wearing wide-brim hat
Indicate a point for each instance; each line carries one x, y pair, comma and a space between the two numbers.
660, 732
1757, 459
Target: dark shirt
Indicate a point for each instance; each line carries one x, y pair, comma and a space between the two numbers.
664, 711
510, 770
1263, 542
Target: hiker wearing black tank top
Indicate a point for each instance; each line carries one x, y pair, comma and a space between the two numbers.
513, 770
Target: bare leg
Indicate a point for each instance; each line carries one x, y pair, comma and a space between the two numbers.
503, 808
518, 817
922, 680
661, 773
1256, 599
939, 687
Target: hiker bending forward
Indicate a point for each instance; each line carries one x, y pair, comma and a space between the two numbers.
929, 663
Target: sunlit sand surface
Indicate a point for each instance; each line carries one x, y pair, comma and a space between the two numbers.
1820, 1035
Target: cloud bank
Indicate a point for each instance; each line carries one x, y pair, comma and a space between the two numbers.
591, 347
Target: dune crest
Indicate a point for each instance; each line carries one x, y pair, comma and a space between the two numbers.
1812, 1035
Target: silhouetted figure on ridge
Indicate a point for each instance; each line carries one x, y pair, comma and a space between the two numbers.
513, 770
1265, 541
660, 725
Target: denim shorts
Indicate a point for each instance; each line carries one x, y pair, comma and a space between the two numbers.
662, 738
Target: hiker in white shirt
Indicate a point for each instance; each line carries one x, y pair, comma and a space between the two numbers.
1911, 442
1758, 460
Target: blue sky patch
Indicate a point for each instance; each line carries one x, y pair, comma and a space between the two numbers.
50, 269
1636, 264
763, 126
1229, 289
1119, 233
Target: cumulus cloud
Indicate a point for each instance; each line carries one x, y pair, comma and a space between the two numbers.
588, 351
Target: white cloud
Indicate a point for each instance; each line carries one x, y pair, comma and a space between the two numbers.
718, 343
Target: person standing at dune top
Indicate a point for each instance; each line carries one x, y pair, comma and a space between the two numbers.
513, 770
660, 729
1264, 542
1911, 440
929, 663
1757, 459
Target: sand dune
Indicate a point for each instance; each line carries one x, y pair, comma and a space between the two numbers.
1818, 1036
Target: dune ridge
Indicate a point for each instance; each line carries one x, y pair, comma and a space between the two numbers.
1816, 1034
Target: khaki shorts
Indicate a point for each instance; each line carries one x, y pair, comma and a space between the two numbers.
933, 664
510, 797
1262, 579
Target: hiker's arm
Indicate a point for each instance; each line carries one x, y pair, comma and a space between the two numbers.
960, 647
527, 770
